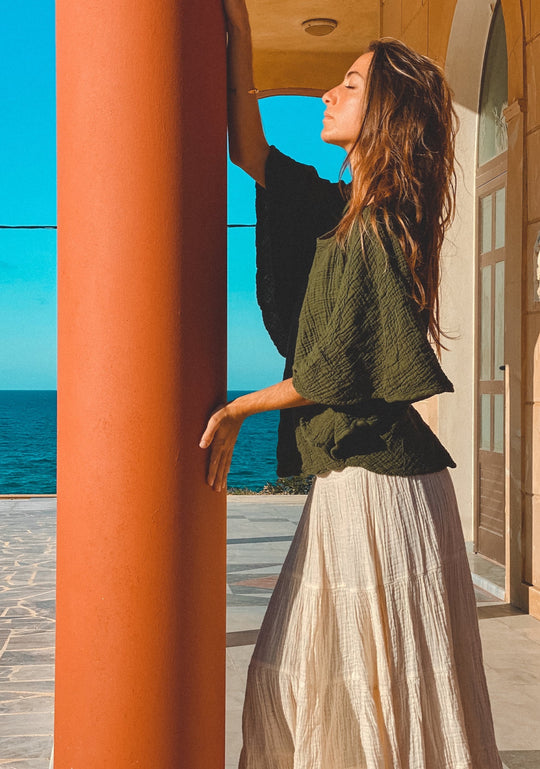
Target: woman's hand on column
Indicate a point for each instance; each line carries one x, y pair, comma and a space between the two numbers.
220, 436
225, 423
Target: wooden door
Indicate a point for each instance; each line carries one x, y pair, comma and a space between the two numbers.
491, 200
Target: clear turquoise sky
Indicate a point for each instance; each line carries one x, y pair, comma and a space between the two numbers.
28, 196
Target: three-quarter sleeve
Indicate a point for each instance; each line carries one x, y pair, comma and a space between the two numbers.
371, 343
294, 208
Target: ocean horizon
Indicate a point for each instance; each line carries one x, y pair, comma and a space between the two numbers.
28, 445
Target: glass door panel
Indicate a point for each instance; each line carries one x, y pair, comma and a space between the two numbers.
486, 217
486, 313
500, 217
485, 422
498, 423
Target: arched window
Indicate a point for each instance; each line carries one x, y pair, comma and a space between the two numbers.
492, 135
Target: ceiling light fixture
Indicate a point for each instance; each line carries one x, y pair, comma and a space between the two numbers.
319, 27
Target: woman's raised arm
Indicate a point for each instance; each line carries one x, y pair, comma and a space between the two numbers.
248, 147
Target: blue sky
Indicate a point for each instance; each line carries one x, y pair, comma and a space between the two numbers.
28, 196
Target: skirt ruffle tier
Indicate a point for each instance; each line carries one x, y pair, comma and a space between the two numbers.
369, 655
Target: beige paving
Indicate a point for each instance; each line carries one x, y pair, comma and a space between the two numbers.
259, 534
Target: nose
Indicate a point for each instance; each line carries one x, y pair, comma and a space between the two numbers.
329, 96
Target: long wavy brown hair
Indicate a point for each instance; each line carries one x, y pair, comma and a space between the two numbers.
402, 165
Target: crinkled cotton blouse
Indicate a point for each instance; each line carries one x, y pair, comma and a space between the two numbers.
351, 334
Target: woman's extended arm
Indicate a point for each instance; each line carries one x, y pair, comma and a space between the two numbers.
225, 423
248, 147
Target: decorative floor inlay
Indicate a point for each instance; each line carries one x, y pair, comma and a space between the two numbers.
268, 583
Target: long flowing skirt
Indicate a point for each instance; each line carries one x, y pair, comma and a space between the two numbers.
369, 655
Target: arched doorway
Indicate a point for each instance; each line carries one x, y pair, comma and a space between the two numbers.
491, 177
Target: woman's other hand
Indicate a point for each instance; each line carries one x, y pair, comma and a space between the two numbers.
220, 436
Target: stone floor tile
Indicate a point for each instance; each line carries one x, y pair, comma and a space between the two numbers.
23, 724
233, 737
241, 657
26, 673
27, 687
234, 568
16, 702
256, 528
515, 715
27, 747
242, 638
45, 639
235, 697
31, 763
27, 657
244, 618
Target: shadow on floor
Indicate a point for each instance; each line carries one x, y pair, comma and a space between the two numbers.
521, 759
499, 610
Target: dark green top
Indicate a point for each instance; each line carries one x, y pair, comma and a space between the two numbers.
353, 339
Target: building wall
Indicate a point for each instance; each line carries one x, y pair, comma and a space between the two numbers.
464, 61
455, 33
469, 33
531, 308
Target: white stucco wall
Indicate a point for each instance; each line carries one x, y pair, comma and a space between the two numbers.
457, 416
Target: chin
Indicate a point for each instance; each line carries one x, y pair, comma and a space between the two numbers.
328, 139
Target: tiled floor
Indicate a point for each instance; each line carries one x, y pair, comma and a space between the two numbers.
27, 573
260, 530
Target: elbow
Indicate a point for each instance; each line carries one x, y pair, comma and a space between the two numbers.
236, 158
252, 162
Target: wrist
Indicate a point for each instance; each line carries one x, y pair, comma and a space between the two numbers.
239, 408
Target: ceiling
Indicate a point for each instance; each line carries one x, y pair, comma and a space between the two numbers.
287, 59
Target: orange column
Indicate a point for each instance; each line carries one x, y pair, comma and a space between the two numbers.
140, 654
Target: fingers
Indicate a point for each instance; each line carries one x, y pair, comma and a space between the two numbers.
211, 429
219, 465
207, 437
213, 465
220, 434
224, 466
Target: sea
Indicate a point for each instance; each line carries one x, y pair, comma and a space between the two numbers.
28, 445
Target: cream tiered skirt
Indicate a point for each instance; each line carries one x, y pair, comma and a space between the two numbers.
369, 654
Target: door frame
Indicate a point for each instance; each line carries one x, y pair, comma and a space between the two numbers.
487, 177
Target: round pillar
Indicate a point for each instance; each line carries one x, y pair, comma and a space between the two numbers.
140, 653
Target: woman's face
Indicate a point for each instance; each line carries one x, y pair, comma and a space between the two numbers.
345, 105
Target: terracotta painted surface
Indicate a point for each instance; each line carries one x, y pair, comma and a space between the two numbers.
141, 282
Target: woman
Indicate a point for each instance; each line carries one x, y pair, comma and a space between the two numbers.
369, 654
